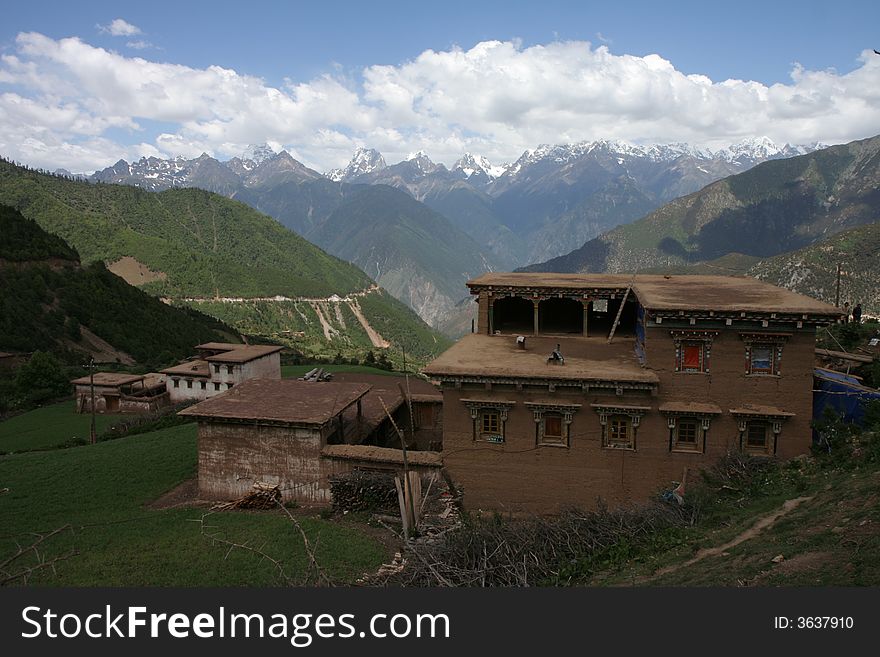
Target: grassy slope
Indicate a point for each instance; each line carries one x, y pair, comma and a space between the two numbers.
831, 539
294, 371
204, 242
813, 270
101, 491
49, 426
43, 302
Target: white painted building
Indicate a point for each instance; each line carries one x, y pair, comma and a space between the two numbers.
219, 367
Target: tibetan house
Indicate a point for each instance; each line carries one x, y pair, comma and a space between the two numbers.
580, 387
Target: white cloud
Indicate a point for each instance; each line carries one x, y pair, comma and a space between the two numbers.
119, 27
140, 44
497, 98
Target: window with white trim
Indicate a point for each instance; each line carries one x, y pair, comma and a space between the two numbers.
763, 353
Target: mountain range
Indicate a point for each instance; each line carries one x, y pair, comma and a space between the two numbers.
543, 204
220, 256
790, 221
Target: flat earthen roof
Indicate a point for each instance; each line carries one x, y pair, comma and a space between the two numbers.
381, 455
244, 353
285, 401
110, 379
189, 368
586, 359
675, 292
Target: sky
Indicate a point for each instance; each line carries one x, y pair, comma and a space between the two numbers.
83, 85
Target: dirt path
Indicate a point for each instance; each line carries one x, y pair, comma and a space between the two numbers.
764, 522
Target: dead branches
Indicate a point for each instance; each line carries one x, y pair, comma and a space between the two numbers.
32, 558
264, 496
532, 551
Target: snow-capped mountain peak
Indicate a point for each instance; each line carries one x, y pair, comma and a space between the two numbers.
470, 164
258, 153
364, 160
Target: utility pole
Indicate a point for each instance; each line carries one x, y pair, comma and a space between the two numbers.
93, 436
837, 294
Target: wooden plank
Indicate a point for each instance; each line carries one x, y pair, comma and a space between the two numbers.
857, 358
619, 313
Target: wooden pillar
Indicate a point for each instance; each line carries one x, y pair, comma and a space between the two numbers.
586, 305
360, 436
491, 330
536, 302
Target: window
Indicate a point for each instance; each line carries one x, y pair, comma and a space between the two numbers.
764, 353
488, 418
691, 357
216, 369
757, 437
229, 385
216, 385
491, 426
189, 383
761, 360
553, 431
619, 432
229, 369
176, 383
204, 385
692, 350
687, 436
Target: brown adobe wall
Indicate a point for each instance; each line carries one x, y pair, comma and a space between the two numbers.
728, 385
234, 456
517, 476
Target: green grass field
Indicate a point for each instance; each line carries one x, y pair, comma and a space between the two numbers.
49, 426
101, 492
293, 371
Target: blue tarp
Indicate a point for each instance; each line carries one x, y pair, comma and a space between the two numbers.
843, 393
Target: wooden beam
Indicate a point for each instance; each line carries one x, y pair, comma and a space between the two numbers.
857, 358
620, 311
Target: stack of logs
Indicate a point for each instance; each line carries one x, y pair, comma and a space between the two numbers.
263, 496
364, 490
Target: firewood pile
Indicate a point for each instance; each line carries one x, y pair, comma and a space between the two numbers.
363, 490
263, 496
491, 551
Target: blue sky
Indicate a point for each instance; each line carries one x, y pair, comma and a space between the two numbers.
374, 49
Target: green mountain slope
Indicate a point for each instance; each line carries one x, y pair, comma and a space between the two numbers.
777, 206
813, 269
413, 252
196, 246
203, 242
49, 302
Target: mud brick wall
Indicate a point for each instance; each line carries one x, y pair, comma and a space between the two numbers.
233, 456
520, 476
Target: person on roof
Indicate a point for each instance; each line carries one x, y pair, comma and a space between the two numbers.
857, 313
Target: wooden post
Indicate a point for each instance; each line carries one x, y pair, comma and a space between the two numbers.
93, 435
535, 302
837, 294
586, 305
